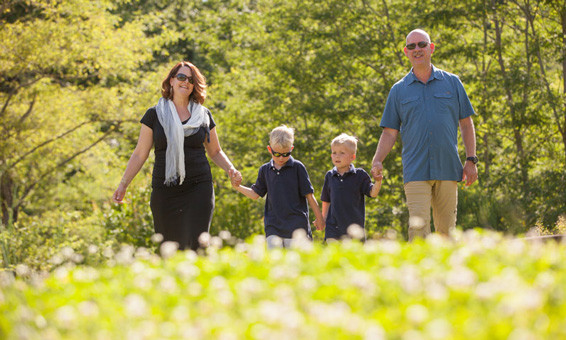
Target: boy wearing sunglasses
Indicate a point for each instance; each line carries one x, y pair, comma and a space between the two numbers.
286, 182
344, 190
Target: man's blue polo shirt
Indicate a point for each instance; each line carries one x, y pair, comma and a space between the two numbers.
286, 206
427, 115
347, 202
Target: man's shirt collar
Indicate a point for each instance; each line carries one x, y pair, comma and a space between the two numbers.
435, 74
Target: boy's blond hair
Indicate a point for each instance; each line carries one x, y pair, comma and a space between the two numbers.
282, 136
347, 141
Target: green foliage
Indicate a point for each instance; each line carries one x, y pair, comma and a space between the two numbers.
480, 286
70, 113
232, 210
43, 243
131, 222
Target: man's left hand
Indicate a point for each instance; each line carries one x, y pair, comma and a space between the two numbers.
470, 174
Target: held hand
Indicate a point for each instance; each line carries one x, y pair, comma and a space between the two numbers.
377, 171
235, 177
319, 224
470, 174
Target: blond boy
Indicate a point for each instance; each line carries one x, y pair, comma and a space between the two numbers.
343, 201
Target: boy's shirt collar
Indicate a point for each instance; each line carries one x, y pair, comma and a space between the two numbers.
351, 170
290, 162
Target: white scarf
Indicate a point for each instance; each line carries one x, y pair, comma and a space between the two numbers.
175, 132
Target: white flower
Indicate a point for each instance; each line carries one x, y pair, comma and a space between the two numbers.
461, 277
67, 252
168, 284
204, 239
108, 252
92, 249
375, 332
225, 235
436, 291
187, 270
413, 335
125, 255
168, 249
22, 270
180, 314
416, 313
66, 315
522, 334
409, 278
355, 231
390, 247
135, 305
156, 238
88, 308
439, 329
362, 280
216, 242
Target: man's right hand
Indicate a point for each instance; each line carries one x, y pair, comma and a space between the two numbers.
377, 171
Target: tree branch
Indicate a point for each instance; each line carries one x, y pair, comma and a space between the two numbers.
28, 112
49, 172
49, 141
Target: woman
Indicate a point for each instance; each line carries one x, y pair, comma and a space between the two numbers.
182, 130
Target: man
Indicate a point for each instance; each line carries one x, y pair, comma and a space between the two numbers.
427, 106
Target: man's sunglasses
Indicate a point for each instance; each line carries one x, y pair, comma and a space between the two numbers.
183, 77
279, 154
412, 46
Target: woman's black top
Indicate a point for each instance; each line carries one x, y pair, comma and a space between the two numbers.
197, 168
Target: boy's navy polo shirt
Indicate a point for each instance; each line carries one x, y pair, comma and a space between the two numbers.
286, 206
347, 202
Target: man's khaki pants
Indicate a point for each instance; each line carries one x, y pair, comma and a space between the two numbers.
442, 196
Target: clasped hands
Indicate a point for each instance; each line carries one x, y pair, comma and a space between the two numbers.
235, 177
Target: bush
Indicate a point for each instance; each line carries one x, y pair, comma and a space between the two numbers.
131, 222
43, 242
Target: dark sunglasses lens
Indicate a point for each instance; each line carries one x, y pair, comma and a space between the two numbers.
182, 77
422, 44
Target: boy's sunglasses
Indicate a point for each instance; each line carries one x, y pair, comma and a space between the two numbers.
422, 44
183, 77
279, 154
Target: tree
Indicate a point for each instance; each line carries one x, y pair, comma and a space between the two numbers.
63, 66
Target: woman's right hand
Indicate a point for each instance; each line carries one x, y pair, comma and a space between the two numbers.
119, 194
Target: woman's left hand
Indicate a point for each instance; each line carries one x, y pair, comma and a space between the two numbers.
235, 177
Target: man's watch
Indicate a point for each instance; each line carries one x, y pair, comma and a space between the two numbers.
473, 159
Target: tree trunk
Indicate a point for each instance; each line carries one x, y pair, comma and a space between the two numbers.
9, 212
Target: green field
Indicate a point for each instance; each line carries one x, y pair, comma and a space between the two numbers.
477, 286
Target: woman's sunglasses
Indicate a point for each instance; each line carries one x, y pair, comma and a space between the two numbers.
422, 44
279, 154
183, 77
